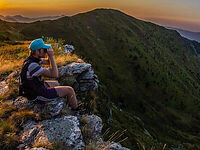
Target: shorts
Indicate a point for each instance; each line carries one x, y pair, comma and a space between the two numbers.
49, 92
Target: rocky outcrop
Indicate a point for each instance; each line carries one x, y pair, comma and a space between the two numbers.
68, 130
64, 129
81, 74
71, 130
52, 108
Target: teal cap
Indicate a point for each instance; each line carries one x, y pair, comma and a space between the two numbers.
37, 44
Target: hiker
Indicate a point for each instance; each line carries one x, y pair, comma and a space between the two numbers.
31, 85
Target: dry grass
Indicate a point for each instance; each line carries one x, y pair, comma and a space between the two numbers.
6, 109
21, 116
12, 55
47, 145
9, 65
10, 119
13, 89
116, 137
63, 59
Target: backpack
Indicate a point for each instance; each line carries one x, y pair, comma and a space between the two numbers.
30, 88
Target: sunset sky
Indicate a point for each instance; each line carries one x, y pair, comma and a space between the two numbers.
180, 13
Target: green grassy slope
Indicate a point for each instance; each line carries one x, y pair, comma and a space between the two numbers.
144, 69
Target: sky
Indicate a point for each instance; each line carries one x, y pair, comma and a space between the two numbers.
184, 14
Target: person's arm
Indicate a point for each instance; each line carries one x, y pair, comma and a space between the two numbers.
53, 70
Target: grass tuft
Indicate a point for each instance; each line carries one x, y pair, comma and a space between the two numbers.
21, 116
47, 145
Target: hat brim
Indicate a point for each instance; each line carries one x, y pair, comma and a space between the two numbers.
46, 46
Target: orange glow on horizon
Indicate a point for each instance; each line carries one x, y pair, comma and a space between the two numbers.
156, 9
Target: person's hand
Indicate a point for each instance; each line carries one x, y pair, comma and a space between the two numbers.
50, 51
44, 61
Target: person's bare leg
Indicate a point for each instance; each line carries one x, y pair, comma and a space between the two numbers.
69, 93
52, 83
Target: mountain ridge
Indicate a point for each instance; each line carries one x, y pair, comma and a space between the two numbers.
22, 19
145, 70
188, 34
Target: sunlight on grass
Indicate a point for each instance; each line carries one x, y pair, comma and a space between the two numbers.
65, 58
12, 56
8, 66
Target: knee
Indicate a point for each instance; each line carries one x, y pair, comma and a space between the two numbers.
70, 90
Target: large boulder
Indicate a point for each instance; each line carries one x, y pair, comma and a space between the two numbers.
80, 76
64, 130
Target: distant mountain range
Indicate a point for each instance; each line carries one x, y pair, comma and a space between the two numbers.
22, 19
187, 34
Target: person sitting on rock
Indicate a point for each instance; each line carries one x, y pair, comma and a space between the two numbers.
31, 85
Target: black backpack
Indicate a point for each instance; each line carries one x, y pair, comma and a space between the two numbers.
30, 88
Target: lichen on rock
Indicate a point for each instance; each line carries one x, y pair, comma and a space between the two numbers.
64, 129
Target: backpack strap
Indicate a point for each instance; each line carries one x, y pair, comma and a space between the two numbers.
23, 76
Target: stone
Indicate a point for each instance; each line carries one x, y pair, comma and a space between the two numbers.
92, 128
69, 48
4, 88
73, 68
4, 85
21, 146
116, 146
95, 123
87, 86
52, 108
64, 129
85, 79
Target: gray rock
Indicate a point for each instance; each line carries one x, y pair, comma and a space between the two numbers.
94, 123
85, 79
88, 75
4, 85
68, 48
4, 88
116, 146
21, 146
51, 108
64, 129
92, 128
86, 86
21, 102
73, 68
